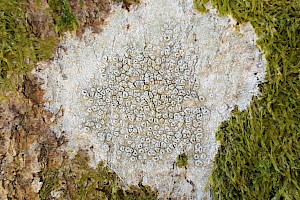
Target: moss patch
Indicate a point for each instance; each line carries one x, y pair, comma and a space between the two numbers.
200, 5
259, 156
182, 160
20, 50
63, 16
76, 180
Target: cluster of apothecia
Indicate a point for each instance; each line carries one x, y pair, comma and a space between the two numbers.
150, 103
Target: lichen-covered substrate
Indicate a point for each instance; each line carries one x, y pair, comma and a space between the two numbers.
154, 84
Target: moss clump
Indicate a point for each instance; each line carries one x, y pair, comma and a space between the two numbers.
182, 160
19, 49
200, 5
75, 179
259, 156
65, 19
21, 44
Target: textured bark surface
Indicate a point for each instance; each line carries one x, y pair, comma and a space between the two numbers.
91, 14
28, 146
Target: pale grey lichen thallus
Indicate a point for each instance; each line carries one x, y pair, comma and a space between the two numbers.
150, 101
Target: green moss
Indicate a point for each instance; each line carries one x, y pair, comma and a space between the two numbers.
259, 156
19, 49
49, 183
75, 179
182, 160
65, 19
200, 5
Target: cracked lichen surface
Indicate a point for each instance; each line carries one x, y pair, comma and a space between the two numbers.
154, 84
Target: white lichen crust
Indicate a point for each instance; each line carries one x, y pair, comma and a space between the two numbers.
155, 83
148, 103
